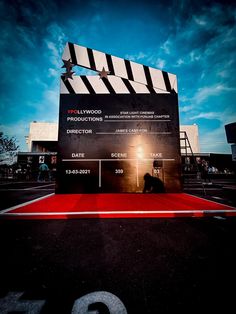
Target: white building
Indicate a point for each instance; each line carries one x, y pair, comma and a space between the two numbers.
193, 137
43, 137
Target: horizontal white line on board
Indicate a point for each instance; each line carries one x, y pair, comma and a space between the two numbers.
159, 133
201, 188
125, 212
71, 159
131, 120
24, 204
145, 133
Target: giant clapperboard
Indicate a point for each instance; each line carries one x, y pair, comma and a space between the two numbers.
116, 125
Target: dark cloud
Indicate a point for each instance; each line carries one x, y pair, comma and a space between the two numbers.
29, 14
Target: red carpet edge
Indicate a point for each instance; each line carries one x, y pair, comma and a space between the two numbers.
72, 206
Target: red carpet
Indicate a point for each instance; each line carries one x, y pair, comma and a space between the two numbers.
68, 206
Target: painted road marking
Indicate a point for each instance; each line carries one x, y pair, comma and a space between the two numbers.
13, 303
201, 198
208, 211
38, 187
26, 203
5, 190
217, 197
84, 305
27, 189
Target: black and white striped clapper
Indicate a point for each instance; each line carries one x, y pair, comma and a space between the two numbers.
124, 76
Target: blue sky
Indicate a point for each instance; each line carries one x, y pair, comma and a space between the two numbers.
196, 40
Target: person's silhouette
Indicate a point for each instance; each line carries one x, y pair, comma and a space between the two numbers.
152, 184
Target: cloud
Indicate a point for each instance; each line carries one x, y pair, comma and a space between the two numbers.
186, 108
53, 72
166, 47
136, 57
226, 116
179, 62
200, 21
84, 71
206, 92
206, 115
207, 73
215, 141
160, 63
54, 53
198, 38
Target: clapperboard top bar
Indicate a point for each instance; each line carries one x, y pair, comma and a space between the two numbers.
125, 77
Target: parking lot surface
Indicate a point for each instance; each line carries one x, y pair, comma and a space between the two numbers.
161, 266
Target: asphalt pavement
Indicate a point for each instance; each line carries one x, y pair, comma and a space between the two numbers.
103, 266
15, 193
184, 265
218, 190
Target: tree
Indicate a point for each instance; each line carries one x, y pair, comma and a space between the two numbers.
7, 144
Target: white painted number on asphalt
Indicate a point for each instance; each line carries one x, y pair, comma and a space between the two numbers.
113, 303
11, 303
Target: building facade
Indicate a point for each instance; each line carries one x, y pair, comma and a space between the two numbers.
42, 147
43, 137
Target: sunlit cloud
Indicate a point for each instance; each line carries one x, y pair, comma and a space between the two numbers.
206, 92
136, 57
160, 63
186, 108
